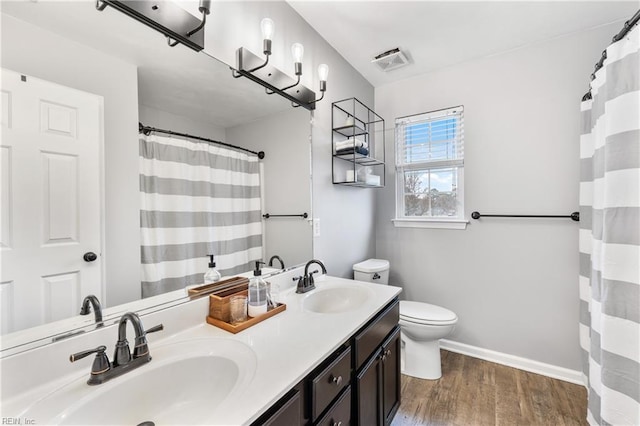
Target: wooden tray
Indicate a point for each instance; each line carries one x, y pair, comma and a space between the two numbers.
236, 328
213, 287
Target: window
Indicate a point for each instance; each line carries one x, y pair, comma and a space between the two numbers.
429, 168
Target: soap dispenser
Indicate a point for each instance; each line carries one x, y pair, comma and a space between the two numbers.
212, 275
257, 301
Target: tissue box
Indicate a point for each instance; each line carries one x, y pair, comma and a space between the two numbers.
372, 179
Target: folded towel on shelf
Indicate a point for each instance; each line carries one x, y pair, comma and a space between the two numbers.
349, 144
350, 150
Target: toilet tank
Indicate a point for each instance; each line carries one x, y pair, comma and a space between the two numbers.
372, 270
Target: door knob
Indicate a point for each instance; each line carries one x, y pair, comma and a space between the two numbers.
90, 256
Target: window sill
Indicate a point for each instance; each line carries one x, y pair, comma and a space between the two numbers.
431, 223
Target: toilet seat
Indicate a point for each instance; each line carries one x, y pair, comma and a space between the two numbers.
426, 314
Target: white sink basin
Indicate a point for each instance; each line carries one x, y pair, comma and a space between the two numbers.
337, 299
184, 383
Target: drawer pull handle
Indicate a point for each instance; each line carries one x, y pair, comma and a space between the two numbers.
334, 423
336, 380
387, 352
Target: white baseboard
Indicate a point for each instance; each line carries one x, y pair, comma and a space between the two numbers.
555, 372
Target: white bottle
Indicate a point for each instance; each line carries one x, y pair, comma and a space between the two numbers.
257, 300
212, 275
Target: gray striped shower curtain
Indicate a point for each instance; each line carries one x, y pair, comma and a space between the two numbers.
610, 237
196, 199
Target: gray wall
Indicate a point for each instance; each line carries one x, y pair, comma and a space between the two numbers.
346, 214
39, 53
155, 117
512, 282
285, 139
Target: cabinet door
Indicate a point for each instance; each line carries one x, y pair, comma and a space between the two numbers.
368, 388
391, 376
289, 413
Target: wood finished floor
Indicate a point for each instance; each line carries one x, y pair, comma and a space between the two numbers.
473, 392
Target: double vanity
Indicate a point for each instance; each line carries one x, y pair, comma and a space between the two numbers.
331, 358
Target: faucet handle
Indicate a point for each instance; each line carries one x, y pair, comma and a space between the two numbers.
158, 327
100, 363
141, 348
80, 355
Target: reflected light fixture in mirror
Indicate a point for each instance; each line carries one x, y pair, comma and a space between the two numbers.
177, 25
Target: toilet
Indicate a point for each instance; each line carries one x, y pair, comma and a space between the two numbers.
422, 325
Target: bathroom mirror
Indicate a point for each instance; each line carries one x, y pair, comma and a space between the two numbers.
141, 79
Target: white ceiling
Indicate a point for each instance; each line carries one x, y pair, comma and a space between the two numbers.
434, 34
438, 34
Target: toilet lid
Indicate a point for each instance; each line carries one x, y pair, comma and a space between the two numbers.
372, 265
425, 313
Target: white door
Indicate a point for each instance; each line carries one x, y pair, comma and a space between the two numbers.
51, 200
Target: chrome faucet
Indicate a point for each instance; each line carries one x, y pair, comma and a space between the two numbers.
276, 257
92, 301
123, 360
305, 282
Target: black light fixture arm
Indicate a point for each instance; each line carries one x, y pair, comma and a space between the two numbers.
318, 100
236, 74
205, 9
269, 92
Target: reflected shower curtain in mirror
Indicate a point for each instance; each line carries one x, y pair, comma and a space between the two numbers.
196, 199
610, 237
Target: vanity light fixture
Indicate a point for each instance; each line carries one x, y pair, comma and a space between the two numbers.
272, 79
297, 51
178, 25
323, 72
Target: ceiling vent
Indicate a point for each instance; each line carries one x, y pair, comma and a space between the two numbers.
390, 60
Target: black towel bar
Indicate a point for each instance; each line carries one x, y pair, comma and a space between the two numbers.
575, 216
303, 215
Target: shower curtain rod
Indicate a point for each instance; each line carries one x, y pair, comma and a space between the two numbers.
147, 130
628, 25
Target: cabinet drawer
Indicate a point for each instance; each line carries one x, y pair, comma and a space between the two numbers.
372, 336
287, 411
327, 384
340, 413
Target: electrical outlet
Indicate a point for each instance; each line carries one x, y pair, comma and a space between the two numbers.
316, 227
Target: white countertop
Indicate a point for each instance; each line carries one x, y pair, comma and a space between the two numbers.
287, 347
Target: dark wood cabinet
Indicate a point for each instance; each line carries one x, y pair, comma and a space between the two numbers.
287, 412
390, 386
329, 382
340, 414
378, 384
367, 397
358, 384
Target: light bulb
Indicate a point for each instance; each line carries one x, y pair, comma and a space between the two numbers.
266, 26
323, 72
297, 50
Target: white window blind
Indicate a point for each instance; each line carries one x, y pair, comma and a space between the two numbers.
429, 164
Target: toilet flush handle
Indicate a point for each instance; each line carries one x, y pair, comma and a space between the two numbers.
376, 276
